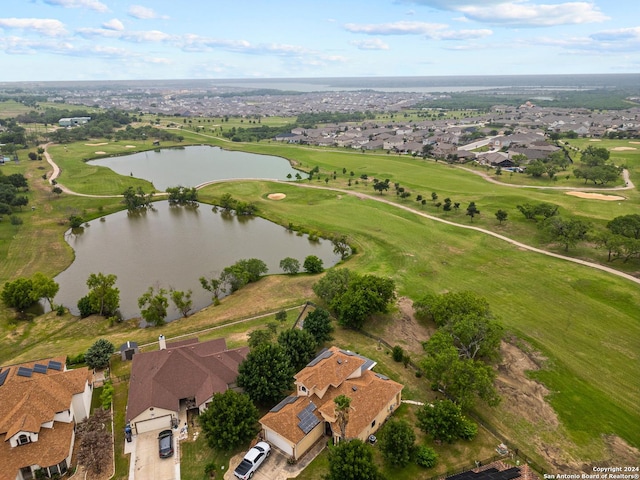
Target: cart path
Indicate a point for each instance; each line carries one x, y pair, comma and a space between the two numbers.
380, 198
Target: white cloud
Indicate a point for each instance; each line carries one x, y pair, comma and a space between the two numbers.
152, 36
396, 28
43, 26
372, 44
113, 24
433, 31
520, 13
90, 4
144, 13
531, 15
619, 34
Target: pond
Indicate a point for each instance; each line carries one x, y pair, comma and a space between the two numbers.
172, 247
190, 166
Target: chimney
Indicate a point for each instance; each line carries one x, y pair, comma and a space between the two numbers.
162, 342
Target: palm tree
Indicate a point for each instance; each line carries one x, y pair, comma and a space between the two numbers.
342, 407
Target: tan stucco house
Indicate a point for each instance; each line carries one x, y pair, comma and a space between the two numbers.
300, 420
40, 403
182, 374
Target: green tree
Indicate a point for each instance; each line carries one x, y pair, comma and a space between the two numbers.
567, 233
426, 456
397, 441
259, 336
365, 295
153, 304
290, 265
381, 186
19, 294
442, 308
341, 246
75, 221
44, 287
182, 301
475, 336
352, 460
266, 374
626, 225
460, 379
104, 297
472, 210
299, 346
442, 420
501, 215
97, 357
230, 420
318, 324
281, 316
313, 264
342, 408
333, 283
215, 286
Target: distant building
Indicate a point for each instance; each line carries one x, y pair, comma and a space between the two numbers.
73, 121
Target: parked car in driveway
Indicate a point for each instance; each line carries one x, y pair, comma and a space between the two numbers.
165, 443
252, 460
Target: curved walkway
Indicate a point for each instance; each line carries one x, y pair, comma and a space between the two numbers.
379, 198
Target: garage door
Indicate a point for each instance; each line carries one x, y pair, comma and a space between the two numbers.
153, 424
277, 441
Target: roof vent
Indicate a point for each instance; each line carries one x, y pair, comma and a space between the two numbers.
354, 388
339, 361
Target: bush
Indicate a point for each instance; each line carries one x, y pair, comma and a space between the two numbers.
75, 359
426, 457
397, 353
60, 310
84, 305
313, 264
468, 429
106, 396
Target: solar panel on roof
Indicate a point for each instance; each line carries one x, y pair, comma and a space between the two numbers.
323, 355
383, 377
55, 365
3, 376
39, 368
307, 419
24, 372
283, 403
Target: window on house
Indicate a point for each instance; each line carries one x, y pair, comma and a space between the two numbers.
373, 424
23, 440
302, 388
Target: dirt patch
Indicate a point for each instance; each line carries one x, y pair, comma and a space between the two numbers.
596, 196
129, 146
276, 196
406, 330
101, 153
524, 396
595, 140
622, 149
621, 451
96, 144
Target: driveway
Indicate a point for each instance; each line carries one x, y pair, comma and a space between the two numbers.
146, 464
276, 467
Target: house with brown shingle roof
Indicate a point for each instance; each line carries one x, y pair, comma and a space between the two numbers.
182, 374
40, 402
300, 420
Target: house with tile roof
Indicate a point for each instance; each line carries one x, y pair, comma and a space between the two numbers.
182, 374
300, 420
40, 403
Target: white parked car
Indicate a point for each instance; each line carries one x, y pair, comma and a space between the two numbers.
252, 460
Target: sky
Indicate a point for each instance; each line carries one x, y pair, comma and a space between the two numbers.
47, 40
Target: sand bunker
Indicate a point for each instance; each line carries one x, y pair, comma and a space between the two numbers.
96, 144
129, 146
621, 149
276, 196
596, 196
101, 153
595, 140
